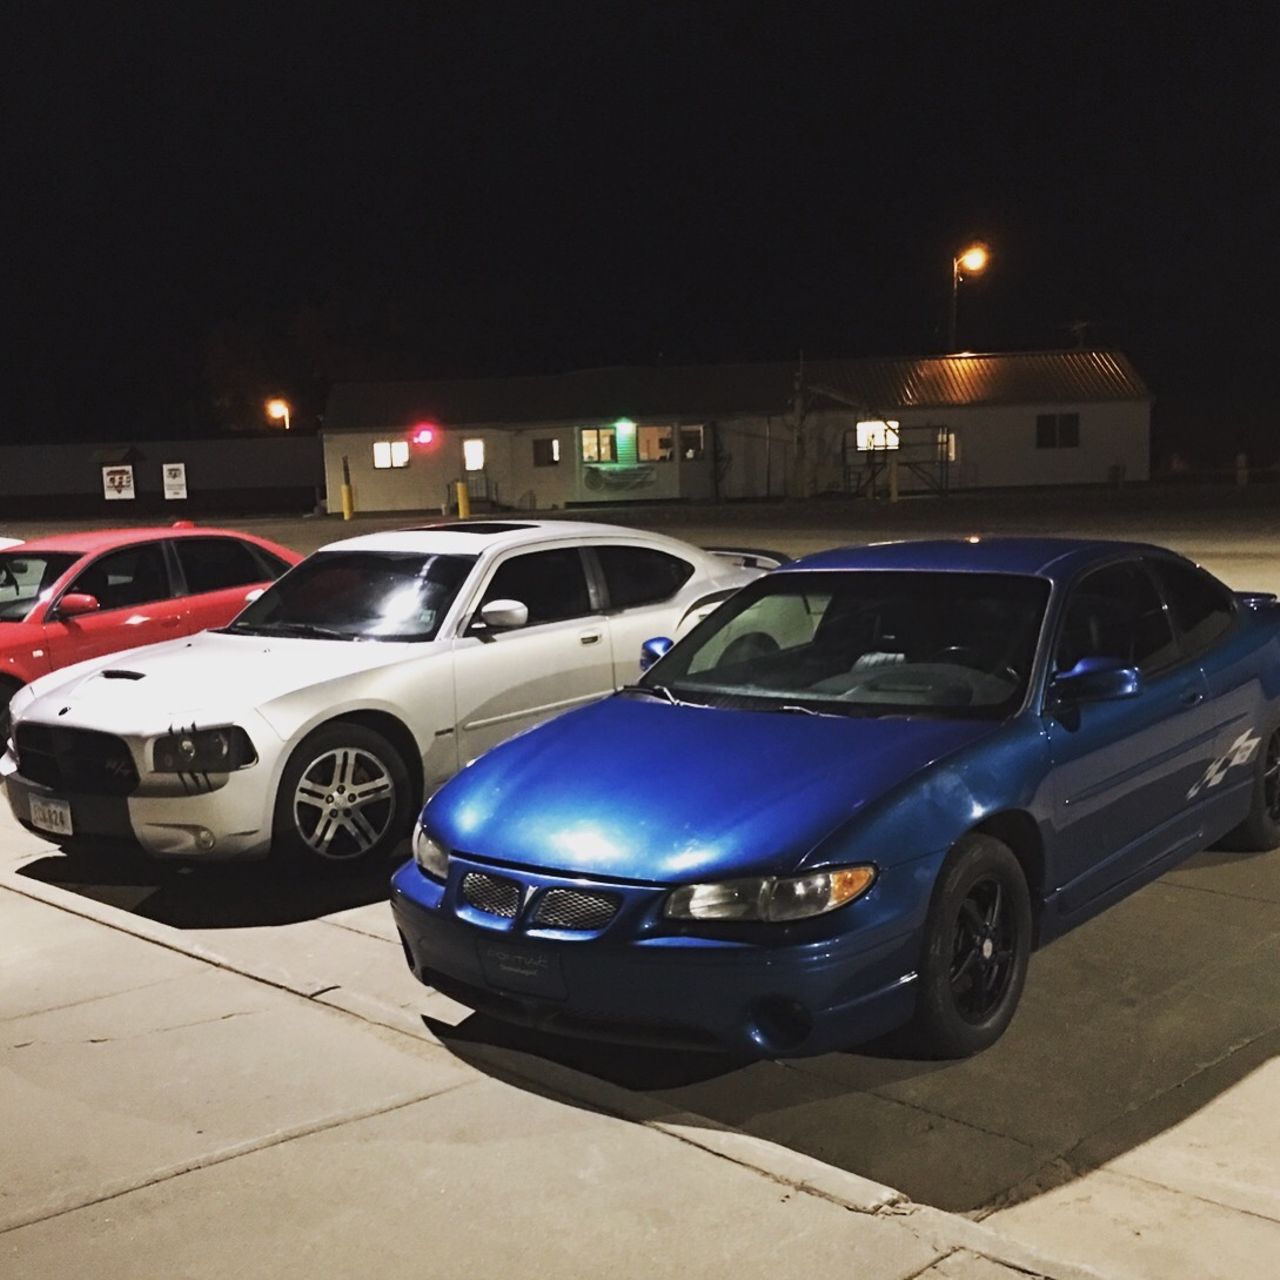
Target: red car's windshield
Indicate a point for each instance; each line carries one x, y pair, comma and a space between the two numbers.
25, 577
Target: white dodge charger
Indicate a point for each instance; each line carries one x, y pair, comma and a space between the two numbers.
316, 722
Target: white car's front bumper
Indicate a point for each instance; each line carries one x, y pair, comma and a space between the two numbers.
229, 819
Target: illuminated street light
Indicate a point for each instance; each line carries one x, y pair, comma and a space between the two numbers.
278, 409
972, 262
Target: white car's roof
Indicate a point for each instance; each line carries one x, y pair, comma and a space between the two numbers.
477, 536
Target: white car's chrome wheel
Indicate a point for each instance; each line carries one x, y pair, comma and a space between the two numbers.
343, 803
344, 799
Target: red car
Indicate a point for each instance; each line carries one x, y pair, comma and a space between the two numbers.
80, 595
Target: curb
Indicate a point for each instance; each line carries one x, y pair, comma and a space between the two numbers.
947, 1232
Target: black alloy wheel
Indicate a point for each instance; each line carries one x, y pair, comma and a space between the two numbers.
977, 941
982, 960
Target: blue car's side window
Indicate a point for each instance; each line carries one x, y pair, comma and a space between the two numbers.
1201, 606
1116, 612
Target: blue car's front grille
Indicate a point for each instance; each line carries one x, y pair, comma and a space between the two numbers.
494, 895
575, 909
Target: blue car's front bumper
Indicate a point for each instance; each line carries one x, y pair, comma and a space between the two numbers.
632, 983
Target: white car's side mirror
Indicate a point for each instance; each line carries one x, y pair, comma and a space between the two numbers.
504, 615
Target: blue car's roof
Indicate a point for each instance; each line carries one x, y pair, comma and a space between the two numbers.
1054, 558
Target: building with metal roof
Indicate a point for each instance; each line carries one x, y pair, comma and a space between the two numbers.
742, 431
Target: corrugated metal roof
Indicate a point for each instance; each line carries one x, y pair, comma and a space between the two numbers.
1041, 377
1030, 377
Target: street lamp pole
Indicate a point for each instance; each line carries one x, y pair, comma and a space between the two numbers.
972, 262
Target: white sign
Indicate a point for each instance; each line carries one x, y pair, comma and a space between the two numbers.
175, 480
117, 482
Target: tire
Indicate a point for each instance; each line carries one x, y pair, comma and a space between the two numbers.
976, 946
1260, 831
313, 825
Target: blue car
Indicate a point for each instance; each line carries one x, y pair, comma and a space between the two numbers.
856, 796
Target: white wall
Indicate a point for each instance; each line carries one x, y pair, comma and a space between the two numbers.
996, 447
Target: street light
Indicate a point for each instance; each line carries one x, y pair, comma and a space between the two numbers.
278, 409
971, 262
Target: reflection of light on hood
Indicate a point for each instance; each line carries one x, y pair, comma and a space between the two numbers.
469, 817
588, 844
688, 860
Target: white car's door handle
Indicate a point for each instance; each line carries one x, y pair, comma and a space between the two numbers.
589, 637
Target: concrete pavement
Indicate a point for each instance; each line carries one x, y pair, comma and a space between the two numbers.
167, 1116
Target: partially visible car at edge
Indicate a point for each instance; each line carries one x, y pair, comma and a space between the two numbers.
316, 722
856, 796
71, 596
9, 542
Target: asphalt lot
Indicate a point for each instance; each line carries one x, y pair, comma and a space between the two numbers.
1126, 1119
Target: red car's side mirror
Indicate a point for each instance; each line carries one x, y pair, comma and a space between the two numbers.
74, 603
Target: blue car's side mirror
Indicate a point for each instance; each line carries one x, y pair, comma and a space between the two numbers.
1096, 680
652, 650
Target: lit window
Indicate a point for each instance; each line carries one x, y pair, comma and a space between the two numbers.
655, 444
390, 453
599, 444
473, 455
875, 433
947, 450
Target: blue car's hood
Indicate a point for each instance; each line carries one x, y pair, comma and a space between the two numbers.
639, 790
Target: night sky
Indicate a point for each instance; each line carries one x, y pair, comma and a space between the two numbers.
211, 202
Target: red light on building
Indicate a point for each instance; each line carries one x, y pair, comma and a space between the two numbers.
422, 435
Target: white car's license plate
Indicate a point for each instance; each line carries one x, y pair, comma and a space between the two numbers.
51, 815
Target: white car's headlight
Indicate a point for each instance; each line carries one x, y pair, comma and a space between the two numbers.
430, 856
203, 751
771, 898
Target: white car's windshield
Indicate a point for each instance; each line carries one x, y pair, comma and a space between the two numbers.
358, 595
864, 643
24, 579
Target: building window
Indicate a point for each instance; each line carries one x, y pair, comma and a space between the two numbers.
546, 452
390, 453
1057, 431
473, 455
948, 451
599, 444
692, 443
875, 433
655, 444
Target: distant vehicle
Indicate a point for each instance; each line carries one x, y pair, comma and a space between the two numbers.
857, 795
72, 596
316, 722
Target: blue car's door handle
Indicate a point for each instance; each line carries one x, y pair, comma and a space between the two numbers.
1191, 697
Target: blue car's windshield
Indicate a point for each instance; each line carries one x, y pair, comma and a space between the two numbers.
865, 643
358, 595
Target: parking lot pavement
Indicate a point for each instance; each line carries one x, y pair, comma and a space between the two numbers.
166, 1116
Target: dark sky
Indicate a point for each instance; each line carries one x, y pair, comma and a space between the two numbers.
210, 201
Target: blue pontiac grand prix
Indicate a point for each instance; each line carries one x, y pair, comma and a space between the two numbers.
855, 796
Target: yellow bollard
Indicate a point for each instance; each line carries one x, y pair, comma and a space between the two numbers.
464, 499
348, 502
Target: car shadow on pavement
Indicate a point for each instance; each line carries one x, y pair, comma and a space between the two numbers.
1128, 1028
217, 896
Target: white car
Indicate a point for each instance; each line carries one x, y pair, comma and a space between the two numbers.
9, 542
356, 684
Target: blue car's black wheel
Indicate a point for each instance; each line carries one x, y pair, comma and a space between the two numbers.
1260, 831
977, 941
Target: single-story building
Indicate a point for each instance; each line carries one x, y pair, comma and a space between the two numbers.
741, 431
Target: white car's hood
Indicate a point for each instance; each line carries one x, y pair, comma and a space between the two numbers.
206, 678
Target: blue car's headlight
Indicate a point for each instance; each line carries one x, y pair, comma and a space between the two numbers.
430, 856
770, 898
203, 751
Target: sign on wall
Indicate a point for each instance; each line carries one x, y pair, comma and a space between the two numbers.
175, 480
117, 482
